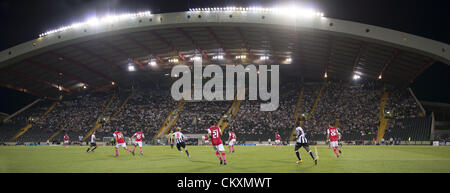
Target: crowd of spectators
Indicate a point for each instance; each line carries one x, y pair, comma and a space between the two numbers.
72, 115
250, 123
354, 106
146, 109
196, 116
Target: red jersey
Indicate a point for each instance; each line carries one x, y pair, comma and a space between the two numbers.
277, 137
215, 135
206, 137
232, 135
333, 134
119, 137
66, 138
139, 136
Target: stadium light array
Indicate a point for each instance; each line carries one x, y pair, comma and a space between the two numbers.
356, 77
113, 83
131, 68
264, 58
152, 63
241, 57
193, 58
326, 75
218, 57
173, 60
93, 21
379, 77
288, 60
291, 11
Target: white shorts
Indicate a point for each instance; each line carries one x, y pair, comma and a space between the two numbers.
121, 145
139, 143
277, 141
206, 141
218, 147
334, 143
66, 141
232, 142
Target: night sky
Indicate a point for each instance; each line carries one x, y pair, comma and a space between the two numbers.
23, 20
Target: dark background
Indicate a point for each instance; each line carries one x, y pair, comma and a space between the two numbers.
23, 20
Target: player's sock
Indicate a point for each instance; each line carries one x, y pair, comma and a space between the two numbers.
298, 155
223, 156
335, 152
88, 149
95, 147
140, 149
134, 148
218, 155
128, 149
233, 148
187, 152
117, 152
311, 153
229, 148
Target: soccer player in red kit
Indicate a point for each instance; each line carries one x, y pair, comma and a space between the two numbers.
214, 134
138, 141
231, 140
66, 139
277, 139
333, 136
120, 142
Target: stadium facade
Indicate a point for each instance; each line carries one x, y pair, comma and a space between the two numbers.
103, 54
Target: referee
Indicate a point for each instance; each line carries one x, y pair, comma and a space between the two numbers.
302, 142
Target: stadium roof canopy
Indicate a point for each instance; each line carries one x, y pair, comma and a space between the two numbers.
97, 53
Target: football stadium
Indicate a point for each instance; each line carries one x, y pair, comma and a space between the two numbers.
222, 88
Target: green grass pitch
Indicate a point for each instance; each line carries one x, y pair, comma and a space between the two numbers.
246, 159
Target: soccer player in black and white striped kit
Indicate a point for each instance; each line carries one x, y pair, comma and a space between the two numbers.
302, 142
93, 143
179, 140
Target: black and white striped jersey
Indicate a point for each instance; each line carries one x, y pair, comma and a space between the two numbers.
92, 138
300, 135
179, 137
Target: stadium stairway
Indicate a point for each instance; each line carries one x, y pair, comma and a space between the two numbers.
97, 123
57, 132
383, 122
316, 102
297, 109
28, 126
21, 110
229, 115
171, 119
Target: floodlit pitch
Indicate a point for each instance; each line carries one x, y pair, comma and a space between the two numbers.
246, 159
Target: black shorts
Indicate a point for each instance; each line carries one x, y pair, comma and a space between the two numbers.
299, 145
181, 144
93, 144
